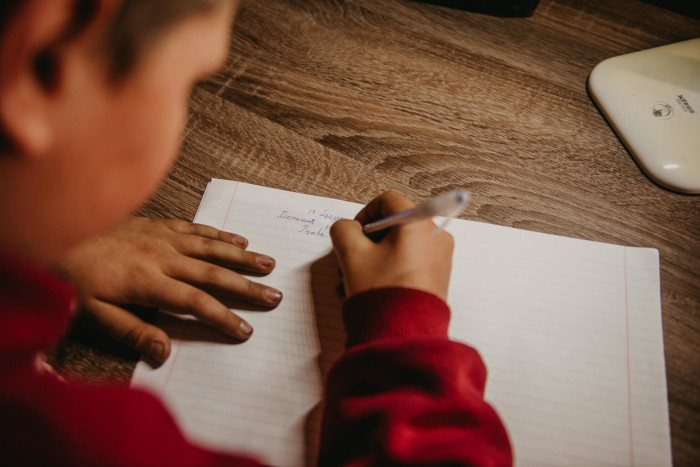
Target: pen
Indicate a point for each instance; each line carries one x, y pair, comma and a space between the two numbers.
447, 204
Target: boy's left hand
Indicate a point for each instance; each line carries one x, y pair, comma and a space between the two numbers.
172, 264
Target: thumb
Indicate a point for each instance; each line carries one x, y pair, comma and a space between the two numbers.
150, 341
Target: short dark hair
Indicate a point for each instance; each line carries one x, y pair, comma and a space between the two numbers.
140, 21
135, 24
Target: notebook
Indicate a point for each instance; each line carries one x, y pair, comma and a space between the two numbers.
570, 331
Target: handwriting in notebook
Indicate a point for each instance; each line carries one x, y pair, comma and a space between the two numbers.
312, 222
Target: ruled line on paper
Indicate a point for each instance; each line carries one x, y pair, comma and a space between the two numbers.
172, 366
629, 377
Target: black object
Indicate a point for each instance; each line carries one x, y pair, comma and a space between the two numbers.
510, 8
689, 8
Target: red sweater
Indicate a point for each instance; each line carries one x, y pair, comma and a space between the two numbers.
402, 394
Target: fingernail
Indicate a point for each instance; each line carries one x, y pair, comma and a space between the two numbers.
273, 295
240, 241
266, 261
155, 354
245, 328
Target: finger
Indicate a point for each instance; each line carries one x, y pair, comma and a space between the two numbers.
150, 341
382, 206
184, 298
224, 254
221, 280
206, 231
348, 238
345, 233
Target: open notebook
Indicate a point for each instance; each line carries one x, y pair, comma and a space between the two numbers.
570, 331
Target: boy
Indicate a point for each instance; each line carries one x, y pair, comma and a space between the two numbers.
92, 100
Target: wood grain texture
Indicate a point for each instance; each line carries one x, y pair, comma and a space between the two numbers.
350, 98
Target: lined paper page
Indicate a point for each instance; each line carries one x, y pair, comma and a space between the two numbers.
570, 331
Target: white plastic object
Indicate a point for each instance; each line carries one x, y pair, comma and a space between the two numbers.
651, 99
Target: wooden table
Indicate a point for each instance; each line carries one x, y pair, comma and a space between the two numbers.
347, 99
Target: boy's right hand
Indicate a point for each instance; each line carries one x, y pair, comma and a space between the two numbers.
411, 255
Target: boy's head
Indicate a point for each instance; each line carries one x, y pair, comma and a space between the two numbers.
93, 97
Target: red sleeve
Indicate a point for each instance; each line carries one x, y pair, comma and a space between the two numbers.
48, 422
403, 393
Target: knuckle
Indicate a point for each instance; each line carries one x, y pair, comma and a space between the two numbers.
199, 229
224, 236
337, 225
133, 337
214, 274
206, 244
395, 196
249, 258
139, 273
229, 319
256, 292
198, 299
252, 289
177, 225
156, 225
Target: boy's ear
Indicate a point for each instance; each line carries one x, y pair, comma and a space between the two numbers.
33, 47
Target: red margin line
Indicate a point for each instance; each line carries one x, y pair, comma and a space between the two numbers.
172, 365
629, 383
235, 189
